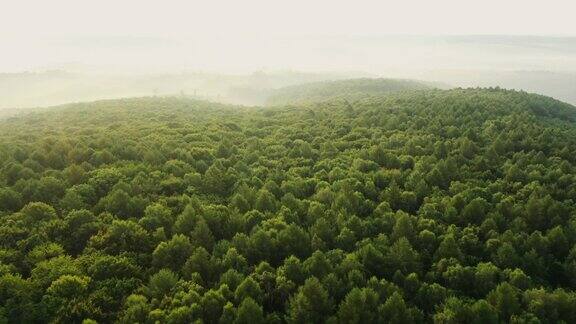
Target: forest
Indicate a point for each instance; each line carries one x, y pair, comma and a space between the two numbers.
344, 90
416, 206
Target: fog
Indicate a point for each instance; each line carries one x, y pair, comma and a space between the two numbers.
66, 51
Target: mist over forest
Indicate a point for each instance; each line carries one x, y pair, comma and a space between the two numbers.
106, 68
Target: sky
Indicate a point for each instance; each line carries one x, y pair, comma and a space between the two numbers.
253, 34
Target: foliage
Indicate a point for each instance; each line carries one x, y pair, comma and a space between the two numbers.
417, 206
351, 89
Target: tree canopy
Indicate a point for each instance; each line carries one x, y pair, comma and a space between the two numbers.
411, 207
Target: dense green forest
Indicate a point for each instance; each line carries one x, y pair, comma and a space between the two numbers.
351, 89
445, 206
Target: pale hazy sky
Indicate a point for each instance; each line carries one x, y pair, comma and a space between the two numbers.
228, 34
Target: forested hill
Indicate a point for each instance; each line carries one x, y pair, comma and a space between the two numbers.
351, 89
447, 206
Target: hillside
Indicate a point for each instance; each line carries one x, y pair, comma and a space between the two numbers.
560, 85
415, 207
21, 90
351, 89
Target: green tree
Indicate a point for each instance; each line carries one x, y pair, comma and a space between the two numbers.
161, 283
265, 201
504, 299
65, 298
172, 254
311, 304
201, 262
202, 236
359, 306
403, 257
249, 312
121, 236
484, 312
217, 180
249, 288
394, 310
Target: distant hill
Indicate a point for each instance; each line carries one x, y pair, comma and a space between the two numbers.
560, 85
351, 89
49, 88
